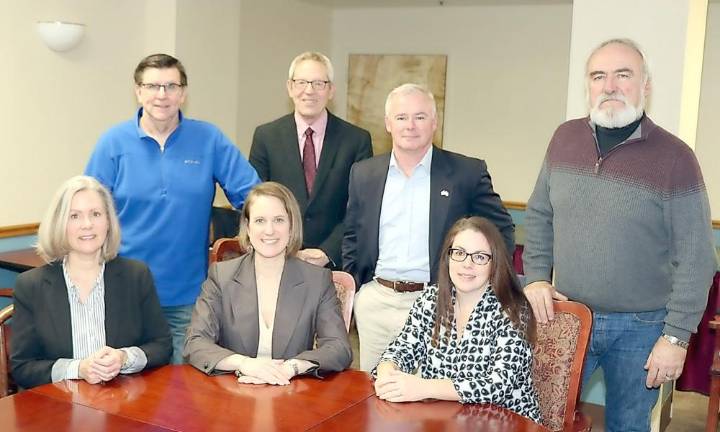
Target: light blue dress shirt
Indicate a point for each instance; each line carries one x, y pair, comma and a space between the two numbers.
404, 231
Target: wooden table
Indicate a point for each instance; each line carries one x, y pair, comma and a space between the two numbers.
20, 260
183, 399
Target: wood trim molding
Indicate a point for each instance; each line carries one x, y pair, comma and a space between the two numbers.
515, 205
31, 228
19, 230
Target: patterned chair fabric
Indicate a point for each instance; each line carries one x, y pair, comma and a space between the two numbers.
345, 287
558, 357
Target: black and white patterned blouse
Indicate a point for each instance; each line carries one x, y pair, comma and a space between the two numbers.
492, 363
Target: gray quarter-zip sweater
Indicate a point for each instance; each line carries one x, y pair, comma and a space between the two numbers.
626, 232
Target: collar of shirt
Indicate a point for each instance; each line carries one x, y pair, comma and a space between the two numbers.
318, 127
99, 284
635, 135
422, 168
141, 132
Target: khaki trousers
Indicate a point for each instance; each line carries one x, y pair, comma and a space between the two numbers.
380, 314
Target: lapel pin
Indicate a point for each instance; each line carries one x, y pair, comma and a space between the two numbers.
444, 193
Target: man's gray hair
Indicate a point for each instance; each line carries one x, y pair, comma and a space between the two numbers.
314, 56
406, 89
630, 44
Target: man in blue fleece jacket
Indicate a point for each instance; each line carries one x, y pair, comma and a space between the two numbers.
161, 169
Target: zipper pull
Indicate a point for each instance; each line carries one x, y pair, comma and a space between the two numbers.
597, 164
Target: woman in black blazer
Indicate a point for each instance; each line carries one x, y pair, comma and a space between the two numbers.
87, 314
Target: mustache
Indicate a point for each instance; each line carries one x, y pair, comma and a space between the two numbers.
610, 97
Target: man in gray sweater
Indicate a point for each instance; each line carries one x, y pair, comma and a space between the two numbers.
621, 213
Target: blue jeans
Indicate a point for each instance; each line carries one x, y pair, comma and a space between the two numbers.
178, 318
620, 344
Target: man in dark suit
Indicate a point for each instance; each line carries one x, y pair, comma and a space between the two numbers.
310, 151
400, 207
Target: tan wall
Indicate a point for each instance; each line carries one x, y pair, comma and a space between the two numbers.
55, 105
707, 145
272, 33
506, 76
506, 86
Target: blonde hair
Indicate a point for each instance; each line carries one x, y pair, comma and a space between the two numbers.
292, 208
314, 56
52, 242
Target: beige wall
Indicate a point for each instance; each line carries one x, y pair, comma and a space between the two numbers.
506, 86
54, 105
272, 33
506, 76
707, 145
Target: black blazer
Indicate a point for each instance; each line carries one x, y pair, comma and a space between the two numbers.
459, 186
275, 154
41, 328
225, 318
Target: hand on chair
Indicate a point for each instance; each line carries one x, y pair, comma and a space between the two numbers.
540, 295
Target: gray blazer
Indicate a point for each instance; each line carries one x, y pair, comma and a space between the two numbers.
225, 318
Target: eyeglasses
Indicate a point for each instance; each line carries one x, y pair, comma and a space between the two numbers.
170, 88
479, 258
316, 84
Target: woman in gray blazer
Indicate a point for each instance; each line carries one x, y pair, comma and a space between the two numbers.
259, 315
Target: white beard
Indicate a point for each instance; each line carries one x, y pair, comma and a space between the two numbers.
616, 118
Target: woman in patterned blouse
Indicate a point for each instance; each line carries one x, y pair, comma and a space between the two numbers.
490, 360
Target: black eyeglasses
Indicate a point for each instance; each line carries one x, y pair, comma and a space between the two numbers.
316, 84
170, 88
479, 258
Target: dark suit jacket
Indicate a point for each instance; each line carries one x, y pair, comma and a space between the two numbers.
469, 193
41, 327
225, 318
275, 154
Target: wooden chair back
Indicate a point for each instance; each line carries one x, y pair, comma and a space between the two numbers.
714, 400
558, 361
224, 249
6, 386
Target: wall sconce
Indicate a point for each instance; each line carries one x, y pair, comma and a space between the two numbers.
60, 36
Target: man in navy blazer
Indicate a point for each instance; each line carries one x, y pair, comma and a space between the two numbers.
310, 151
400, 207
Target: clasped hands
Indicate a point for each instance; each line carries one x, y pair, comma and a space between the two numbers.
102, 365
397, 386
265, 371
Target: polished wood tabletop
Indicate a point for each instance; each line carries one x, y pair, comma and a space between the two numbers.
32, 412
376, 415
182, 398
20, 260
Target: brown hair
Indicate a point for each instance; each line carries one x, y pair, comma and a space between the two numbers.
292, 208
503, 280
159, 61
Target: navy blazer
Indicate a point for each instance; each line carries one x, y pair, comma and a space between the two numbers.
41, 327
460, 186
275, 154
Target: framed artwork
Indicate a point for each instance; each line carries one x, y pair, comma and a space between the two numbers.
372, 76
